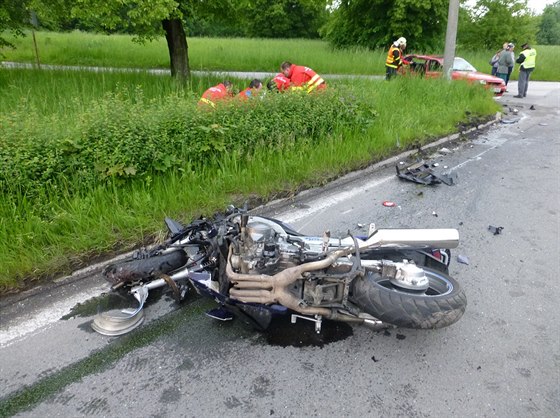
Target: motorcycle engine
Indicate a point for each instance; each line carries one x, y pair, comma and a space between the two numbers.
262, 250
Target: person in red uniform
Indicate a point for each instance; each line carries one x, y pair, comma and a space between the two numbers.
394, 58
251, 91
279, 83
222, 91
302, 77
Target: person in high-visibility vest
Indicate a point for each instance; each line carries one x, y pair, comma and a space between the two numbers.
221, 91
302, 78
252, 91
394, 58
527, 58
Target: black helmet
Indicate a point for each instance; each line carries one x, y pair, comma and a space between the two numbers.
272, 86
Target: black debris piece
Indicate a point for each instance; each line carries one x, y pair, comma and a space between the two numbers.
532, 107
421, 173
496, 230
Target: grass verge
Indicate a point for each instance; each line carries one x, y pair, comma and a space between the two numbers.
83, 181
237, 54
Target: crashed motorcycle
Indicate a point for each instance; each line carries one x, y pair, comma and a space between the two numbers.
256, 267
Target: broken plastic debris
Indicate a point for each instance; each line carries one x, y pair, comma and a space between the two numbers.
434, 213
389, 204
532, 107
463, 259
543, 124
421, 173
445, 151
360, 225
435, 165
496, 230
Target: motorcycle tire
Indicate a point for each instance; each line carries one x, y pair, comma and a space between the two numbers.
443, 303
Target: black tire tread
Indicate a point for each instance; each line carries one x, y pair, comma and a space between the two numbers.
408, 310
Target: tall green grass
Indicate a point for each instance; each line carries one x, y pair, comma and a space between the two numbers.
236, 54
230, 54
68, 220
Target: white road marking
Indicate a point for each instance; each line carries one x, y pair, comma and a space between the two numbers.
45, 317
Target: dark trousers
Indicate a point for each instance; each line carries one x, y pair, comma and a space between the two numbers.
390, 72
523, 81
510, 69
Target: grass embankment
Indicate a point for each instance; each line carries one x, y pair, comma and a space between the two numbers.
90, 164
235, 54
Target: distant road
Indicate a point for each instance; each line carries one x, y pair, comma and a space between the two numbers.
160, 71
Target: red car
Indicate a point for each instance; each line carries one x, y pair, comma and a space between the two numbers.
432, 66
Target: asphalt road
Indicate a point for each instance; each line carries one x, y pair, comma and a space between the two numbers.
500, 360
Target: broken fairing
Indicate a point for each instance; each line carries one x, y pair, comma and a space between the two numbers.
421, 173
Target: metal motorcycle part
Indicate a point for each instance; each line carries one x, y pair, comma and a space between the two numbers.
119, 322
318, 319
406, 275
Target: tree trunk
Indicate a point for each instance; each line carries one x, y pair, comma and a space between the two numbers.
178, 48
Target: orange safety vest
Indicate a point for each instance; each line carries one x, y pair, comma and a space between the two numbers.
213, 94
391, 60
282, 83
305, 78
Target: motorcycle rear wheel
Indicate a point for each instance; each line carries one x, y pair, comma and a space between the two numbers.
441, 305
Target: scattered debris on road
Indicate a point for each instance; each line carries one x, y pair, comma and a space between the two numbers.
496, 230
421, 173
510, 121
389, 204
463, 259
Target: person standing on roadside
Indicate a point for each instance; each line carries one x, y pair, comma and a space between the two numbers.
510, 48
394, 58
301, 77
527, 60
494, 61
504, 62
221, 91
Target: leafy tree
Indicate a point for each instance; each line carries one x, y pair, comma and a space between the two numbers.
147, 19
285, 18
549, 27
490, 23
376, 23
13, 17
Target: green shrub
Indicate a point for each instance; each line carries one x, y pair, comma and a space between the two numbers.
119, 140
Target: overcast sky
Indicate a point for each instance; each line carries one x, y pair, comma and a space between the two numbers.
538, 5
